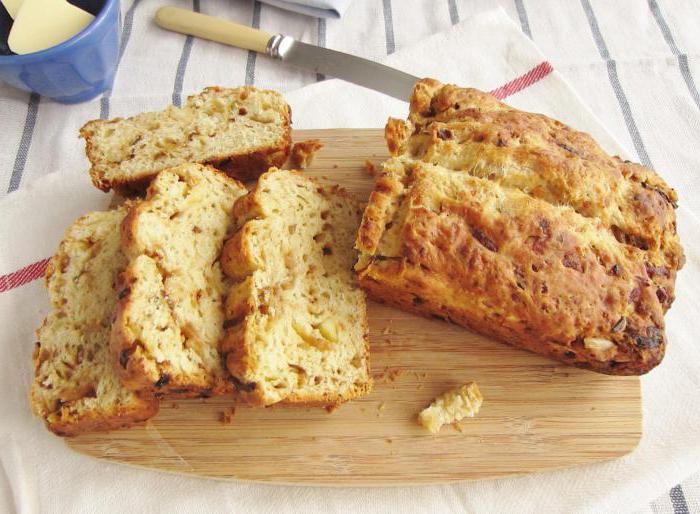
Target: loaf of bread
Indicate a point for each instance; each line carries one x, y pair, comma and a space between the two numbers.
296, 321
452, 406
524, 229
169, 316
76, 388
242, 132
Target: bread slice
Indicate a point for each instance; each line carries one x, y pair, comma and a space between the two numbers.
76, 388
242, 131
296, 321
169, 318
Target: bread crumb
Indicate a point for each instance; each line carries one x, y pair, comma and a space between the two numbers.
226, 415
303, 153
393, 373
370, 169
175, 405
335, 166
387, 330
380, 409
388, 440
451, 406
330, 409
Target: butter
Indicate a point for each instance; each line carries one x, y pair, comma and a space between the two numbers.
41, 24
12, 6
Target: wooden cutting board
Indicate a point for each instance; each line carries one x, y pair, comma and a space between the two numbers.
537, 414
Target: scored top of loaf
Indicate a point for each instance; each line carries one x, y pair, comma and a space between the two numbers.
522, 228
241, 131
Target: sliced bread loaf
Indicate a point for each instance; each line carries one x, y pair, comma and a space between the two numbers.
169, 317
76, 388
241, 131
296, 322
523, 229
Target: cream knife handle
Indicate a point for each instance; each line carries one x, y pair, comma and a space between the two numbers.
215, 29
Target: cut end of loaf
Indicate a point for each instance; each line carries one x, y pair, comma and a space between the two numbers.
242, 131
296, 323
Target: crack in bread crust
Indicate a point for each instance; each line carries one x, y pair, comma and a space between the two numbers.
296, 323
518, 227
76, 388
169, 316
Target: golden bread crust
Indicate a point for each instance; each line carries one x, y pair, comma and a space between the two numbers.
518, 227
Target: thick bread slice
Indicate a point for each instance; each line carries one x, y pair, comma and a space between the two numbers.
242, 131
296, 319
76, 388
169, 318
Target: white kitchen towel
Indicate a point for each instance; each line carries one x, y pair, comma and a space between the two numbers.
316, 8
487, 51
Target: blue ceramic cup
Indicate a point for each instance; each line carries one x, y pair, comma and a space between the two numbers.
77, 69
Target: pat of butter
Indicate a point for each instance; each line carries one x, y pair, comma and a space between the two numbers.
12, 6
41, 24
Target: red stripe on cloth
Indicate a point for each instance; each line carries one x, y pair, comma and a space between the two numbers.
534, 75
23, 276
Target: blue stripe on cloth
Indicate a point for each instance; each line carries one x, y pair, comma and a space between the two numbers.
126, 34
252, 56
680, 506
682, 57
389, 27
25, 142
454, 12
522, 14
321, 41
182, 63
615, 83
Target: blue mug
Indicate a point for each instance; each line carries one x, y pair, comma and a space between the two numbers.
76, 70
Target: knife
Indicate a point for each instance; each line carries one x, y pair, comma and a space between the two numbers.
350, 68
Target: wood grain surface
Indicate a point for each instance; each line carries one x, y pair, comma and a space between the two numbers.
537, 414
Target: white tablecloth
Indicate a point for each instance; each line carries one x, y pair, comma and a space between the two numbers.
634, 64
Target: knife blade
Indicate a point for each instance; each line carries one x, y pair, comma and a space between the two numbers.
350, 68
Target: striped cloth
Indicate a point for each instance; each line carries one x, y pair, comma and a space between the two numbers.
634, 63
